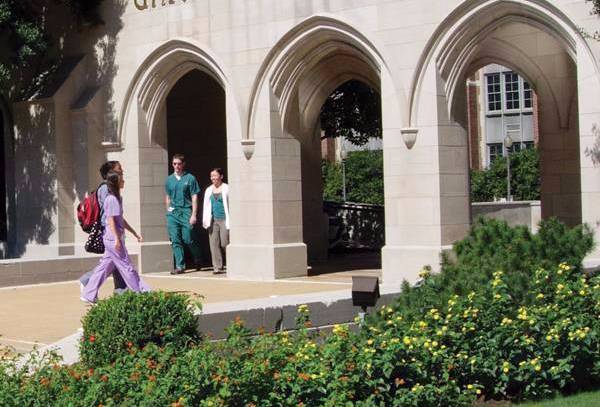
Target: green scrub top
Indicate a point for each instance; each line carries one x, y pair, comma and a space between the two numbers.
180, 191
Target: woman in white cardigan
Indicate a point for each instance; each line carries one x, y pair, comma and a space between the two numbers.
215, 218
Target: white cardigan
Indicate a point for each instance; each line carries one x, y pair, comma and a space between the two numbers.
207, 206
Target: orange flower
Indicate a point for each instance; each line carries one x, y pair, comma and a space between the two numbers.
129, 344
152, 378
399, 381
92, 338
104, 378
304, 376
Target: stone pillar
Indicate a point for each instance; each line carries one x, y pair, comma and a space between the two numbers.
155, 251
266, 199
426, 185
315, 222
589, 150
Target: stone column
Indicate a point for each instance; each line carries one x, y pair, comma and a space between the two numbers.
426, 189
266, 200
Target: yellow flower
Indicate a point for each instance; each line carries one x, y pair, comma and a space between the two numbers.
540, 296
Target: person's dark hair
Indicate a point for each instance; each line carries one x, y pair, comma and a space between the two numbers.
108, 166
112, 183
218, 170
179, 156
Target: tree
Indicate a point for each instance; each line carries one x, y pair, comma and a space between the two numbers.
490, 184
31, 41
364, 178
352, 111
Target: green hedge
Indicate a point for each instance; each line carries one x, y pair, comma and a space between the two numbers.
490, 184
114, 326
364, 178
492, 245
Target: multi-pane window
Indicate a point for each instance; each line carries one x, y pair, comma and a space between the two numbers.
494, 92
494, 151
527, 95
507, 92
511, 86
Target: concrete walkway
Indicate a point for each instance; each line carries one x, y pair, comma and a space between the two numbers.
39, 315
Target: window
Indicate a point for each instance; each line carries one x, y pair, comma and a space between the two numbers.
527, 95
494, 93
528, 145
511, 87
494, 151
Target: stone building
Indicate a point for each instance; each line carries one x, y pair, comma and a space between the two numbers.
239, 84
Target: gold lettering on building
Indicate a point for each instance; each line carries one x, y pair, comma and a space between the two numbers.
144, 4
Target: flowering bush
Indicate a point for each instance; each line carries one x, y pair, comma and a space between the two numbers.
447, 349
478, 345
502, 348
122, 323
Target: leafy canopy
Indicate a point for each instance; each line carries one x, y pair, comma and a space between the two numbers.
352, 111
31, 37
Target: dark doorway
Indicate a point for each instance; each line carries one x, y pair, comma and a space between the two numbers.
2, 181
196, 127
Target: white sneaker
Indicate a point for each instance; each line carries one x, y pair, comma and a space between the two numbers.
86, 301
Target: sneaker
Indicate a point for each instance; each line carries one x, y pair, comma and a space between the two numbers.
86, 301
218, 271
177, 271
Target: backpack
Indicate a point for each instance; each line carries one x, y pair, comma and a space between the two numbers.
88, 211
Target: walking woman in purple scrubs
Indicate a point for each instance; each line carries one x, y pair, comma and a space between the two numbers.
115, 251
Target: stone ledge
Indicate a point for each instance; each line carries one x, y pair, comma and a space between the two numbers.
280, 313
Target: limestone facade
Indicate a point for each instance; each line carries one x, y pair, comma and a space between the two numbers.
263, 69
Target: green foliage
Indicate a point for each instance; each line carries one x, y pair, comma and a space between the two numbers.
446, 351
595, 6
31, 44
364, 178
482, 344
490, 184
352, 111
492, 245
121, 323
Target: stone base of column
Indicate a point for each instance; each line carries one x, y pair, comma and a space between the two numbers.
155, 257
400, 263
266, 262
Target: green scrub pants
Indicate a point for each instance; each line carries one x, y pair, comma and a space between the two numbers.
182, 233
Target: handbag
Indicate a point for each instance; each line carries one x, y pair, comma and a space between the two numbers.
94, 242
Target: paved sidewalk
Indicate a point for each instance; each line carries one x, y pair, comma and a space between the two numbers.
46, 313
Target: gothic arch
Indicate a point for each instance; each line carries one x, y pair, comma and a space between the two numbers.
160, 71
455, 42
311, 51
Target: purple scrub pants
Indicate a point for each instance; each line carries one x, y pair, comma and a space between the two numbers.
122, 263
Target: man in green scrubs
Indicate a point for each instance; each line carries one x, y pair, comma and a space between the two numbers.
181, 200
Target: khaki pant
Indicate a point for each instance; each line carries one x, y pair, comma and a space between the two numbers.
218, 237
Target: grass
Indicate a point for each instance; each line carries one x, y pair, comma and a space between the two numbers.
590, 399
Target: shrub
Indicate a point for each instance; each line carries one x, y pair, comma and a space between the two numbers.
446, 351
116, 325
490, 184
479, 345
492, 245
364, 178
